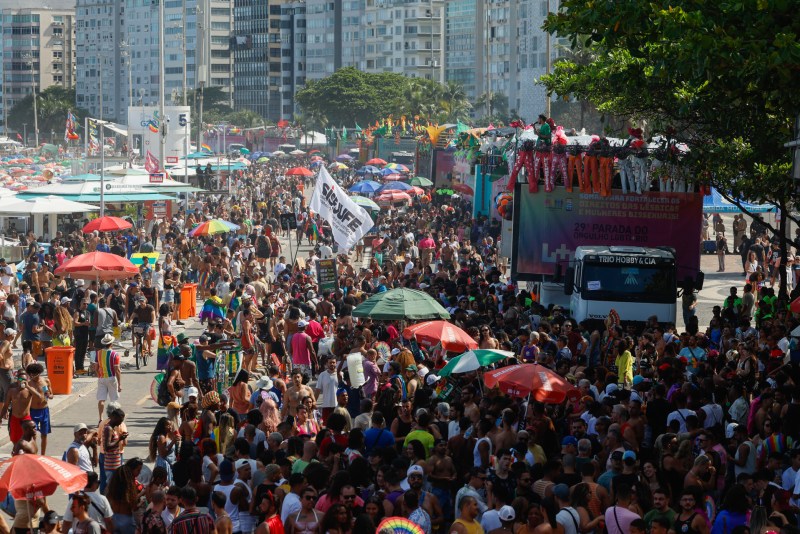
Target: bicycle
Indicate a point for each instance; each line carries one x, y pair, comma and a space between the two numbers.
141, 343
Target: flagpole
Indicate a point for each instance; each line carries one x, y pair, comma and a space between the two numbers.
102, 170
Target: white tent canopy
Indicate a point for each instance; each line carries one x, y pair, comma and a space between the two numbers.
308, 139
47, 205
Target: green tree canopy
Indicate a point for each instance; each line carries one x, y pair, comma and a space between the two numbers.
52, 106
718, 76
350, 96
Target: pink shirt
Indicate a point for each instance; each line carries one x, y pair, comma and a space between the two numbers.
300, 354
427, 243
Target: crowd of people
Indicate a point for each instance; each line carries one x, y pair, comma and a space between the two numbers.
692, 431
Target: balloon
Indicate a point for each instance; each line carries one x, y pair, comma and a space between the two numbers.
504, 203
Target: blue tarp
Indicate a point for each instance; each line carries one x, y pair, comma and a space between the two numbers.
716, 203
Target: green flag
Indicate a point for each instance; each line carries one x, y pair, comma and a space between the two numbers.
344, 133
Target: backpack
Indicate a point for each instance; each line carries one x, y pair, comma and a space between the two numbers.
163, 396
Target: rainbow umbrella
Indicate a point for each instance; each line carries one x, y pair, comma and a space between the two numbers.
399, 167
399, 525
214, 226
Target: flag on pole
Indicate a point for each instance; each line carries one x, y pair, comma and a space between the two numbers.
151, 163
349, 221
19, 137
94, 143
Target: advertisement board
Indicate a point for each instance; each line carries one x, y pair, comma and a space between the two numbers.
549, 226
145, 125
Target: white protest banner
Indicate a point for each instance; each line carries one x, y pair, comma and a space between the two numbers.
348, 220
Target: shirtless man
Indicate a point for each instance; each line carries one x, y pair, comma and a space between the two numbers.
19, 398
471, 409
295, 394
442, 475
6, 361
27, 443
188, 370
506, 438
40, 412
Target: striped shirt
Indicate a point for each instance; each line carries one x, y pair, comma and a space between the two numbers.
107, 360
192, 522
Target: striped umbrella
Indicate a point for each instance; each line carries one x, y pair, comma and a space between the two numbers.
212, 227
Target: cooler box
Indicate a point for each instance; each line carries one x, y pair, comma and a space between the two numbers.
710, 247
188, 306
59, 368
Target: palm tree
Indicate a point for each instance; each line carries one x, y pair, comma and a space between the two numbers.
455, 105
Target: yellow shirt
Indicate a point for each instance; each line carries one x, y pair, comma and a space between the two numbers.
472, 527
624, 363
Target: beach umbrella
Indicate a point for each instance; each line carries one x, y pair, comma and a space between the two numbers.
97, 266
538, 381
212, 227
376, 161
297, 152
399, 167
365, 186
420, 181
298, 171
399, 525
445, 191
393, 196
394, 186
473, 360
464, 188
106, 224
337, 166
278, 153
244, 151
365, 203
401, 303
416, 191
431, 333
344, 157
29, 476
368, 169
262, 159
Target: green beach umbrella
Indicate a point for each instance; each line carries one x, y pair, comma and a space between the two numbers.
401, 303
472, 360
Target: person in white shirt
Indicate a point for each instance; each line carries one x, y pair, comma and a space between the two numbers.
409, 265
158, 277
280, 266
568, 517
291, 503
173, 508
325, 251
236, 265
99, 507
327, 384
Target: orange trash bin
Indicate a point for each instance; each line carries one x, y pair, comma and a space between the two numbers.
188, 306
59, 368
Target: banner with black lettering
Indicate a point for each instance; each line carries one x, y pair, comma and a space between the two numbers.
348, 220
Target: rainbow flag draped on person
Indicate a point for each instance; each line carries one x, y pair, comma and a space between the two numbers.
213, 308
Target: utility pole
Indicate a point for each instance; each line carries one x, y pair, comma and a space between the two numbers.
549, 62
162, 138
200, 117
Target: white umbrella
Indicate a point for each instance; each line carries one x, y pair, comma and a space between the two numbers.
279, 153
50, 204
297, 152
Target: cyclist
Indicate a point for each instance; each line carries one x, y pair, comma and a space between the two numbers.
143, 317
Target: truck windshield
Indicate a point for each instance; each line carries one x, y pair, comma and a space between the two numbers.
632, 284
403, 158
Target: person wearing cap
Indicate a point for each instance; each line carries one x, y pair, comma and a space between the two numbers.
234, 493
104, 321
415, 476
567, 516
109, 375
301, 350
78, 451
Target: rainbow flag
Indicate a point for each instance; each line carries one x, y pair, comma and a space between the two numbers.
206, 148
213, 308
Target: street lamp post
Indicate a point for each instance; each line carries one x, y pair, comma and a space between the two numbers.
25, 133
30, 62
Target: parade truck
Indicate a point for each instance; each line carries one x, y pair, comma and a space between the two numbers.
631, 253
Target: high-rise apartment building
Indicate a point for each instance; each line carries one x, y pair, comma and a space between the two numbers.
38, 52
99, 31
119, 54
498, 47
269, 50
404, 36
334, 36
